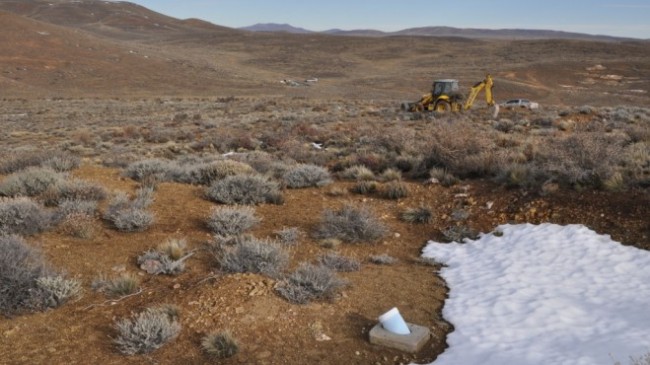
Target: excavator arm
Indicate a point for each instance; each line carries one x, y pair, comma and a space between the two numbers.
486, 85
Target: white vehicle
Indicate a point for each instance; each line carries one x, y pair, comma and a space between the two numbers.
520, 103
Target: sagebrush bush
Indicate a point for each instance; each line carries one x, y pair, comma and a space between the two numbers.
62, 162
254, 256
288, 235
20, 268
442, 176
418, 215
394, 190
245, 189
228, 221
20, 161
156, 262
350, 224
220, 345
56, 290
383, 259
146, 169
305, 175
130, 215
70, 207
391, 174
205, 173
364, 187
357, 172
310, 282
79, 225
338, 262
22, 216
148, 330
30, 182
75, 189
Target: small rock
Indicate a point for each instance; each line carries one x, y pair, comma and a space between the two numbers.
397, 235
177, 286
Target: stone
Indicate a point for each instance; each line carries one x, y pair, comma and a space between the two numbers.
411, 343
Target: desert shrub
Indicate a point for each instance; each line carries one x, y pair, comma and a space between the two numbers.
30, 182
394, 190
145, 169
130, 215
22, 216
383, 259
227, 221
79, 225
147, 331
459, 233
69, 207
357, 172
364, 187
219, 242
220, 345
418, 215
220, 169
337, 262
254, 256
159, 263
20, 268
442, 176
288, 236
57, 290
244, 189
20, 161
391, 175
305, 175
118, 286
351, 225
174, 248
62, 162
310, 282
73, 190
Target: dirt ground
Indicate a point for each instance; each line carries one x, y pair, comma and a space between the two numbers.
112, 88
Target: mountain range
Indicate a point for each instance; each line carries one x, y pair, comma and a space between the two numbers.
440, 31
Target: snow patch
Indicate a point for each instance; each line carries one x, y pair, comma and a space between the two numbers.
544, 294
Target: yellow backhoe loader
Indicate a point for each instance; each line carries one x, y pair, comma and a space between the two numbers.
445, 96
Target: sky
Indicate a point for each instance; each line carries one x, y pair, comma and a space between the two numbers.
544, 294
625, 18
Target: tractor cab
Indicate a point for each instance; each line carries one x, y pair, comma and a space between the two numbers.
444, 87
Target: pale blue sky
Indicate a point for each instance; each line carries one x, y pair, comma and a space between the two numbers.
627, 18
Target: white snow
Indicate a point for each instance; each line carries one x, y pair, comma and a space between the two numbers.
544, 294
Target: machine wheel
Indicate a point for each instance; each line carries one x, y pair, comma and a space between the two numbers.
442, 106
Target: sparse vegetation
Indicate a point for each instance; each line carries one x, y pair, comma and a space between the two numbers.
57, 290
229, 221
148, 330
30, 182
357, 172
364, 187
350, 224
220, 345
310, 282
288, 235
394, 190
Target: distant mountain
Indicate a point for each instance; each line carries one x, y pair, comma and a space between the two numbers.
273, 27
442, 32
